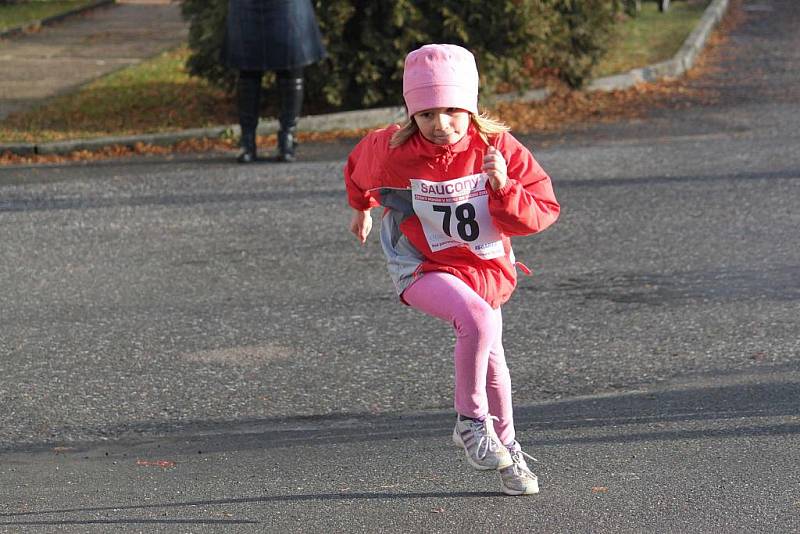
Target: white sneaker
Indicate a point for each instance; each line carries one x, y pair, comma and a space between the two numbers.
481, 445
517, 479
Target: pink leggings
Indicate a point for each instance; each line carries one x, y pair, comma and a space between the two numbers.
483, 383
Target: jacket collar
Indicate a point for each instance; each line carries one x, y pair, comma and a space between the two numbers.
418, 156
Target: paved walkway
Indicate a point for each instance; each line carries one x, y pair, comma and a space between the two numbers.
80, 48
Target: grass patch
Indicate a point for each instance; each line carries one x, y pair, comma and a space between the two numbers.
651, 36
23, 14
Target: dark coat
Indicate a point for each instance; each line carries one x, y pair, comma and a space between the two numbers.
271, 35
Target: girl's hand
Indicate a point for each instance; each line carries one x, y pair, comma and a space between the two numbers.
361, 224
494, 165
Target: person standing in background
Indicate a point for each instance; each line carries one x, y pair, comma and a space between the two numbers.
271, 35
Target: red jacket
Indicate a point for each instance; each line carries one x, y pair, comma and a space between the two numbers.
525, 205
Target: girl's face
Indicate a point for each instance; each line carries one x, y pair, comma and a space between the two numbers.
443, 126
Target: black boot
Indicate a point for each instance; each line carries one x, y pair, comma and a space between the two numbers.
247, 142
248, 100
286, 145
290, 90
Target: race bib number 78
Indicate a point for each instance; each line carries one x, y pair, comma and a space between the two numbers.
455, 213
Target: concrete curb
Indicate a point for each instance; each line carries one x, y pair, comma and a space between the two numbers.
372, 118
11, 32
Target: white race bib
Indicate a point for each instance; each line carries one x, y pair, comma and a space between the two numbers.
456, 212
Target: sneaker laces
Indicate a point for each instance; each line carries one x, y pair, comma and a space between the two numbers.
519, 463
486, 440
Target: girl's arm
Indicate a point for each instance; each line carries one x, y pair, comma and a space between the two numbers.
361, 224
524, 203
362, 166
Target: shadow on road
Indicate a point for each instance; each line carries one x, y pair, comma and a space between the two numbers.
685, 413
244, 500
724, 410
732, 407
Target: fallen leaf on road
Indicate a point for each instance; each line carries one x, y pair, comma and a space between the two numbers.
599, 489
156, 463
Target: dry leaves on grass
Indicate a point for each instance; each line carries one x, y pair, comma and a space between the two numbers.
563, 109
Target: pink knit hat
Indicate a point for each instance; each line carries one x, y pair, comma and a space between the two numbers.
440, 76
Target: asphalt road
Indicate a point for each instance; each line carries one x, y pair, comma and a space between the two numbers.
221, 320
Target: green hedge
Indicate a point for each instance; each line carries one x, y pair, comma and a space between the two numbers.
367, 40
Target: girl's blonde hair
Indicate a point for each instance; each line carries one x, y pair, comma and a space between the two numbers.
486, 125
